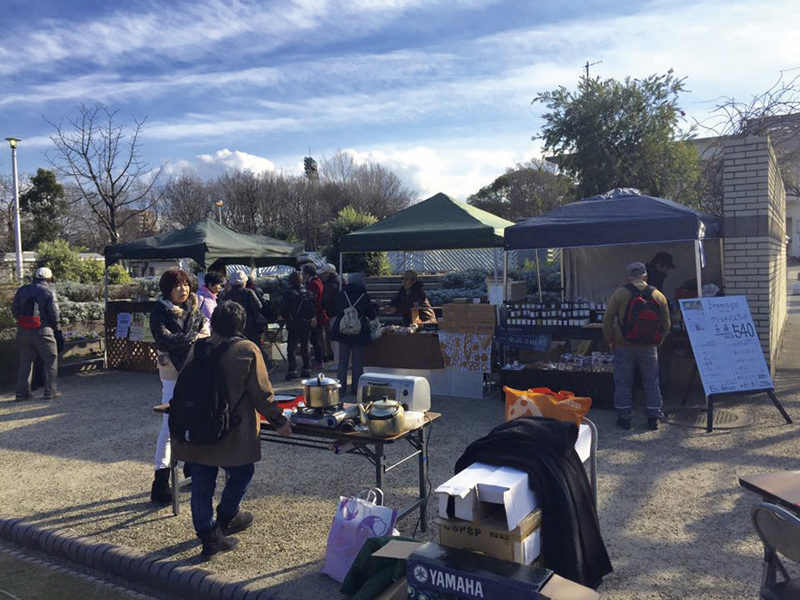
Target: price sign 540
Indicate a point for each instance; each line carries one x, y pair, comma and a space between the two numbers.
743, 330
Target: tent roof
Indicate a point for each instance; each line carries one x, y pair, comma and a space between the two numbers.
621, 216
207, 242
437, 223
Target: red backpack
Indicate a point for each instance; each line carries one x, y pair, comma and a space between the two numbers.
642, 322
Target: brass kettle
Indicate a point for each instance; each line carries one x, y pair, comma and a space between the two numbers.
383, 417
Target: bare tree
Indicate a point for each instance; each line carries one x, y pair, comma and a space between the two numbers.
187, 199
105, 163
774, 113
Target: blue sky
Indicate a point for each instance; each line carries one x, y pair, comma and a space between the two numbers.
438, 91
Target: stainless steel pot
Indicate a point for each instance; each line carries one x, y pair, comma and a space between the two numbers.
321, 391
383, 417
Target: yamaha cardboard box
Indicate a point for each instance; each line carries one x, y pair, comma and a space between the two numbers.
440, 573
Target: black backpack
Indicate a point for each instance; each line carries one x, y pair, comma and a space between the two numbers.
199, 412
642, 322
306, 309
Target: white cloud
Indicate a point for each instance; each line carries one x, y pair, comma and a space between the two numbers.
208, 166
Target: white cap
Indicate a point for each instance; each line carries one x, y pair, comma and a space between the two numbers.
43, 273
238, 278
329, 268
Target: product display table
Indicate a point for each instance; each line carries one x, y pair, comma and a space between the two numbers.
371, 447
405, 351
782, 488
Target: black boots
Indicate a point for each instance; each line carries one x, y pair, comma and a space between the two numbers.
652, 423
161, 493
214, 541
239, 522
623, 423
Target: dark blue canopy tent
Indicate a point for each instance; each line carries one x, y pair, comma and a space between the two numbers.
620, 217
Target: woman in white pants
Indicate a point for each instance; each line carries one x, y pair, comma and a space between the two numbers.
176, 323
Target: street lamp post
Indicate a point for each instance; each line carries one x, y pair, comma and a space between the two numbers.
12, 141
219, 211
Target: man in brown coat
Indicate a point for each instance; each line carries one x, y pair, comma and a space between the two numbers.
246, 378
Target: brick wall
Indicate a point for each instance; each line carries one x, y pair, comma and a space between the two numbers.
755, 236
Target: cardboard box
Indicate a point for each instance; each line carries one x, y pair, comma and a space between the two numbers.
522, 545
506, 494
462, 489
440, 572
469, 318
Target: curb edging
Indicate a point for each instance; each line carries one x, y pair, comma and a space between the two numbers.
127, 563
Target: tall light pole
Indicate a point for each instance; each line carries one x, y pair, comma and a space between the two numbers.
219, 211
12, 141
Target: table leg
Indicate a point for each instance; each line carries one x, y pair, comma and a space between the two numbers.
423, 480
710, 415
176, 508
778, 405
380, 466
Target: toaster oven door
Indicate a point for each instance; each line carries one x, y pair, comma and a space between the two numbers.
371, 392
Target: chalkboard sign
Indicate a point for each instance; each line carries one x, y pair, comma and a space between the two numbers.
520, 336
726, 345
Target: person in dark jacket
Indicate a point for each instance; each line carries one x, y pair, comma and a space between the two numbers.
330, 290
176, 323
658, 268
354, 294
314, 285
545, 450
248, 300
267, 310
36, 310
411, 297
298, 310
248, 390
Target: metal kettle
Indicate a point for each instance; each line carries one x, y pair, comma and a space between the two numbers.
383, 417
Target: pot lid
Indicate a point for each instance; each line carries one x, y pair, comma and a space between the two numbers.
320, 381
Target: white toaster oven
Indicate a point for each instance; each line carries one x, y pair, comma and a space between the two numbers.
413, 392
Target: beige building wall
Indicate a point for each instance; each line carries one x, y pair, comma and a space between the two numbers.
755, 236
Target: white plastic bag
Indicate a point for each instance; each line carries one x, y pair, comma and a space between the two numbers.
356, 520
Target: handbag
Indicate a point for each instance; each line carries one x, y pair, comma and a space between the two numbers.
357, 519
375, 328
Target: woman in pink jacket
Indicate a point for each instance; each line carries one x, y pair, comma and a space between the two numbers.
207, 294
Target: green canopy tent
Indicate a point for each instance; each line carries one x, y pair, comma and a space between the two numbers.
437, 223
207, 242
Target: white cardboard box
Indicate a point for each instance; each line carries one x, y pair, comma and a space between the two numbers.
463, 488
509, 488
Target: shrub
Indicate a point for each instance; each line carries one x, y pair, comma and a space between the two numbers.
370, 264
61, 258
118, 275
78, 292
80, 312
469, 278
441, 296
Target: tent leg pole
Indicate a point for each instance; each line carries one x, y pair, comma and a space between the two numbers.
341, 264
563, 290
404, 261
505, 275
699, 269
105, 318
539, 277
495, 266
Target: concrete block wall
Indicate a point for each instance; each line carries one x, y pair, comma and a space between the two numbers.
755, 236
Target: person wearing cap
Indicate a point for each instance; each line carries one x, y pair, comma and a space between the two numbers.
249, 301
411, 301
657, 270
330, 290
315, 286
36, 310
630, 355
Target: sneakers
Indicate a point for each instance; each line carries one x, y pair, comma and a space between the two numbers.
652, 423
306, 373
214, 542
51, 396
25, 397
239, 522
623, 423
291, 376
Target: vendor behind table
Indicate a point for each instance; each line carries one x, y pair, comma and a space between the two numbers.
411, 302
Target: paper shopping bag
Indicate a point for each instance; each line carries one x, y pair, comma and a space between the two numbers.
356, 520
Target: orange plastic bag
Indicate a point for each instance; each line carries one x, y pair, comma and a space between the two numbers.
544, 402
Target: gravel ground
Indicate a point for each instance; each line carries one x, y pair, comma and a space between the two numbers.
674, 519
